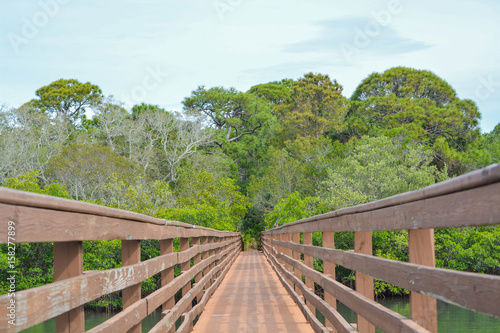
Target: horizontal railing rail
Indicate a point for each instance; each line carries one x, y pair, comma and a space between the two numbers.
205, 256
469, 200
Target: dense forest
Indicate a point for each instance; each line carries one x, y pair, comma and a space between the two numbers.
246, 161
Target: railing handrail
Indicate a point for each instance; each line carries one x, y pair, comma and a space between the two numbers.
478, 178
469, 200
36, 200
67, 223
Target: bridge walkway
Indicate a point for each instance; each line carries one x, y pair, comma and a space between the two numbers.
251, 299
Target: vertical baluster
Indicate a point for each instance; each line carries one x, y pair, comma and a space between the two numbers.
167, 275
364, 283
184, 246
68, 263
296, 256
423, 308
329, 269
204, 255
197, 260
210, 253
131, 254
308, 261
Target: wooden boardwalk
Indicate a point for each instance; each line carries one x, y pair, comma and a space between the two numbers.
251, 299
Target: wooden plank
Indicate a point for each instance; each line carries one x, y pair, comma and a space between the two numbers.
329, 270
478, 178
167, 275
159, 296
187, 325
447, 285
197, 259
168, 322
68, 263
383, 318
308, 261
22, 198
139, 310
204, 254
340, 323
296, 256
44, 225
131, 254
55, 300
364, 283
251, 299
185, 266
121, 322
474, 207
421, 251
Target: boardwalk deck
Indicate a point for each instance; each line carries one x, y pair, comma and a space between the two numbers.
251, 299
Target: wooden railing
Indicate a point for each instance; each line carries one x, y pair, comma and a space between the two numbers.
66, 223
468, 200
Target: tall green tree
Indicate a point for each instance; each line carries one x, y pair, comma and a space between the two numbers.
232, 113
315, 107
417, 105
67, 99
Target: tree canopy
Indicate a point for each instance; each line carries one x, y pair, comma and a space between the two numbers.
67, 99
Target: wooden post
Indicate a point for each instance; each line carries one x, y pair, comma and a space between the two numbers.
68, 263
329, 269
204, 255
167, 275
364, 283
131, 254
197, 260
423, 308
296, 256
210, 240
308, 261
185, 266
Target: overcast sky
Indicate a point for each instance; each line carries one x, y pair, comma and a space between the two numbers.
158, 51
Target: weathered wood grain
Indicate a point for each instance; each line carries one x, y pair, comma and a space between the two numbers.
364, 283
68, 263
126, 319
168, 322
474, 207
483, 177
448, 285
338, 321
421, 252
22, 198
45, 225
383, 318
329, 269
167, 275
187, 324
55, 299
131, 255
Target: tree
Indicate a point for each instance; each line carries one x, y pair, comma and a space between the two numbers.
315, 107
206, 201
416, 105
233, 114
85, 169
377, 168
275, 93
67, 99
28, 141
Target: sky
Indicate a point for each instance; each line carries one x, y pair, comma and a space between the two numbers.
159, 51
